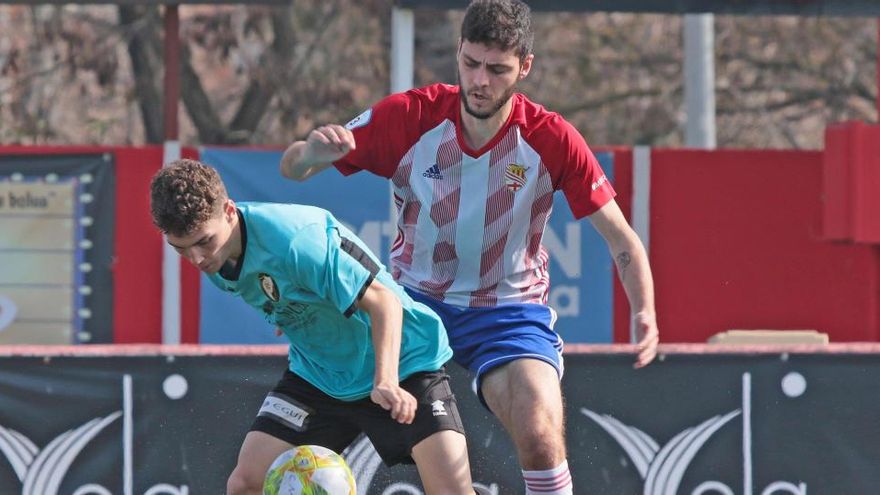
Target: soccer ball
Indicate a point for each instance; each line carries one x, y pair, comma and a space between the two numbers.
309, 470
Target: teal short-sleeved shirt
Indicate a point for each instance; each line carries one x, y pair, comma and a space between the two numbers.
306, 272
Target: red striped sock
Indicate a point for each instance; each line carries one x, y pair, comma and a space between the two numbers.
556, 481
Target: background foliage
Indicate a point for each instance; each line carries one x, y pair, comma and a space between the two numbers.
266, 75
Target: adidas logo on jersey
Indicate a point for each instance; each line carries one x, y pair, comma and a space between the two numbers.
433, 172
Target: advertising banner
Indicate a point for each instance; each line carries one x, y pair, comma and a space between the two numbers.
581, 271
720, 424
56, 242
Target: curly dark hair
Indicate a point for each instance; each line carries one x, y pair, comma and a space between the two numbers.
503, 24
184, 195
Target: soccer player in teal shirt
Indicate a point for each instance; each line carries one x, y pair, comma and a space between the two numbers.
364, 357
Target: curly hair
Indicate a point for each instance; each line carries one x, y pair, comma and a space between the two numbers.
184, 195
503, 24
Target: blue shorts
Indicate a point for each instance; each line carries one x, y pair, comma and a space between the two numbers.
484, 338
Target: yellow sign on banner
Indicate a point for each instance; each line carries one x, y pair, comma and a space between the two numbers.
38, 260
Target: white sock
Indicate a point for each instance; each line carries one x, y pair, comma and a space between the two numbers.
556, 481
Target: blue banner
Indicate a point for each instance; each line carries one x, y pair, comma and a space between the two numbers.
580, 267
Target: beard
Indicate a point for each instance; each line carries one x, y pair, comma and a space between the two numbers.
493, 110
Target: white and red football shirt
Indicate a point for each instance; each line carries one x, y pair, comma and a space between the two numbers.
470, 222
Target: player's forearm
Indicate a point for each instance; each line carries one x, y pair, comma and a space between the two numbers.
386, 322
296, 163
634, 271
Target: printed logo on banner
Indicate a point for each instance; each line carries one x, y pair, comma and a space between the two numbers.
41, 471
662, 468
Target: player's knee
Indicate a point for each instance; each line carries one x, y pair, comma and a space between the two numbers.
244, 482
543, 450
539, 422
540, 445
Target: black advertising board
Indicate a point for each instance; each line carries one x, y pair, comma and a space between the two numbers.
692, 424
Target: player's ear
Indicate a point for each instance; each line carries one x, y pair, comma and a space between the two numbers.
229, 209
526, 66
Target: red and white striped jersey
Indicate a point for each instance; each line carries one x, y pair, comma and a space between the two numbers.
470, 222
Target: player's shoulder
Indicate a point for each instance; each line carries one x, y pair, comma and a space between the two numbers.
435, 101
435, 93
534, 117
416, 107
545, 130
281, 218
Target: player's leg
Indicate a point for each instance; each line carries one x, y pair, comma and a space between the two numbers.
526, 397
257, 453
293, 413
486, 340
434, 440
443, 465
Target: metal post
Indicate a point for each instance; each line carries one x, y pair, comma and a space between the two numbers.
699, 84
402, 49
171, 300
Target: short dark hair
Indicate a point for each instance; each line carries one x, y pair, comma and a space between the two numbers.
184, 195
503, 24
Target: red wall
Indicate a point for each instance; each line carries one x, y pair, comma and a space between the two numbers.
138, 268
736, 243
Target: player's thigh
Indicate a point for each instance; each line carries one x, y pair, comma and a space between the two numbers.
296, 412
257, 453
524, 390
437, 411
442, 462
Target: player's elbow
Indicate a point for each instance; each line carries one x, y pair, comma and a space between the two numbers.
298, 177
291, 166
289, 170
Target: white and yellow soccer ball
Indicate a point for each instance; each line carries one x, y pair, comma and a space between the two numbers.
309, 470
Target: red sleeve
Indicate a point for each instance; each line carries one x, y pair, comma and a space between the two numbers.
385, 133
572, 165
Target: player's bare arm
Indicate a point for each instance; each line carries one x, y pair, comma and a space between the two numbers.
386, 322
635, 274
321, 148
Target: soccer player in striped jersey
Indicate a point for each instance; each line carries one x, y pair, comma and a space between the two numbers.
474, 167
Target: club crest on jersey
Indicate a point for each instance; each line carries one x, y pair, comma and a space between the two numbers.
515, 177
270, 288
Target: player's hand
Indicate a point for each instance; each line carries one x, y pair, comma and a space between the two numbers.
278, 332
649, 337
328, 143
397, 400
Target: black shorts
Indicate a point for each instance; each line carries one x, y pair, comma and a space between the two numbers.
298, 413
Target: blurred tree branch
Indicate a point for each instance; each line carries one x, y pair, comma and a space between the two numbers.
266, 75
